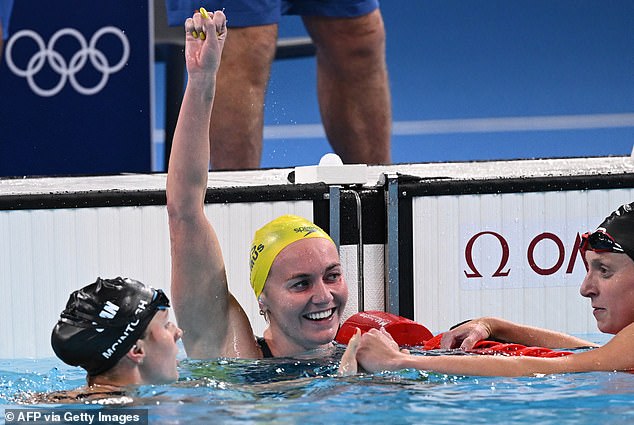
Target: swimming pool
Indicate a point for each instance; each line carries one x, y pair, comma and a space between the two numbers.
283, 391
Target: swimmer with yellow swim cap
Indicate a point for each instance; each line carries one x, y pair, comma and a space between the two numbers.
298, 279
295, 267
274, 237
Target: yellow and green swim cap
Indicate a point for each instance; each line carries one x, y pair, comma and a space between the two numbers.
272, 238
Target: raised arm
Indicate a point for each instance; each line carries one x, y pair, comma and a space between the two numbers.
468, 334
213, 322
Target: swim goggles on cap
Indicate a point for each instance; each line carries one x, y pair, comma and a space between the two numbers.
599, 241
85, 320
159, 300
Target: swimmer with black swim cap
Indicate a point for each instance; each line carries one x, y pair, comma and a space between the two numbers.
608, 253
615, 234
118, 330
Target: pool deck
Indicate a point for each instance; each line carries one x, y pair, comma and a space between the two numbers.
449, 171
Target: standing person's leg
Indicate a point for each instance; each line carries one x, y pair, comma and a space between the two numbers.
5, 15
236, 129
352, 85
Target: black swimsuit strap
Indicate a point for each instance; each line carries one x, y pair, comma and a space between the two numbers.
266, 351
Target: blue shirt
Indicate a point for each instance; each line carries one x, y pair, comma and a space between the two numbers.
5, 14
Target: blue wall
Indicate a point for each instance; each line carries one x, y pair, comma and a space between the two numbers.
75, 89
540, 79
469, 81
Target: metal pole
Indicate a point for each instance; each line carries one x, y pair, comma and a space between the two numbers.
360, 271
334, 197
391, 257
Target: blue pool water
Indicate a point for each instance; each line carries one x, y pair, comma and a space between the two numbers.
284, 391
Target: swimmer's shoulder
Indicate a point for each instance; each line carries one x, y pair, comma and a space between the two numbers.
84, 395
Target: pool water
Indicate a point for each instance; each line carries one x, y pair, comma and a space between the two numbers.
287, 391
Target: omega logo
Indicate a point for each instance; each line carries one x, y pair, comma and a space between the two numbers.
543, 270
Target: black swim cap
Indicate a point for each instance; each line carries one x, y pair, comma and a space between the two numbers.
620, 225
103, 320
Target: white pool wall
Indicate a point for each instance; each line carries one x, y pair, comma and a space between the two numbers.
45, 253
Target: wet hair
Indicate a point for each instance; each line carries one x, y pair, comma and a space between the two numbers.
620, 225
103, 320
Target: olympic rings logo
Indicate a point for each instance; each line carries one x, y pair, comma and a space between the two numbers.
67, 71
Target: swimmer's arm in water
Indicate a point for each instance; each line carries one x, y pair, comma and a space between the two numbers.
213, 322
468, 334
377, 351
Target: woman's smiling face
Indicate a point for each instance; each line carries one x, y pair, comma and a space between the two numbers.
304, 295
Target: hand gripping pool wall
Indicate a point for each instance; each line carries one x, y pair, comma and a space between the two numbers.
511, 255
76, 83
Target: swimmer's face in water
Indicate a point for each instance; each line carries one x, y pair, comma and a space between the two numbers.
304, 295
609, 284
159, 364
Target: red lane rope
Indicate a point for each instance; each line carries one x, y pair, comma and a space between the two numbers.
403, 330
501, 348
406, 332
